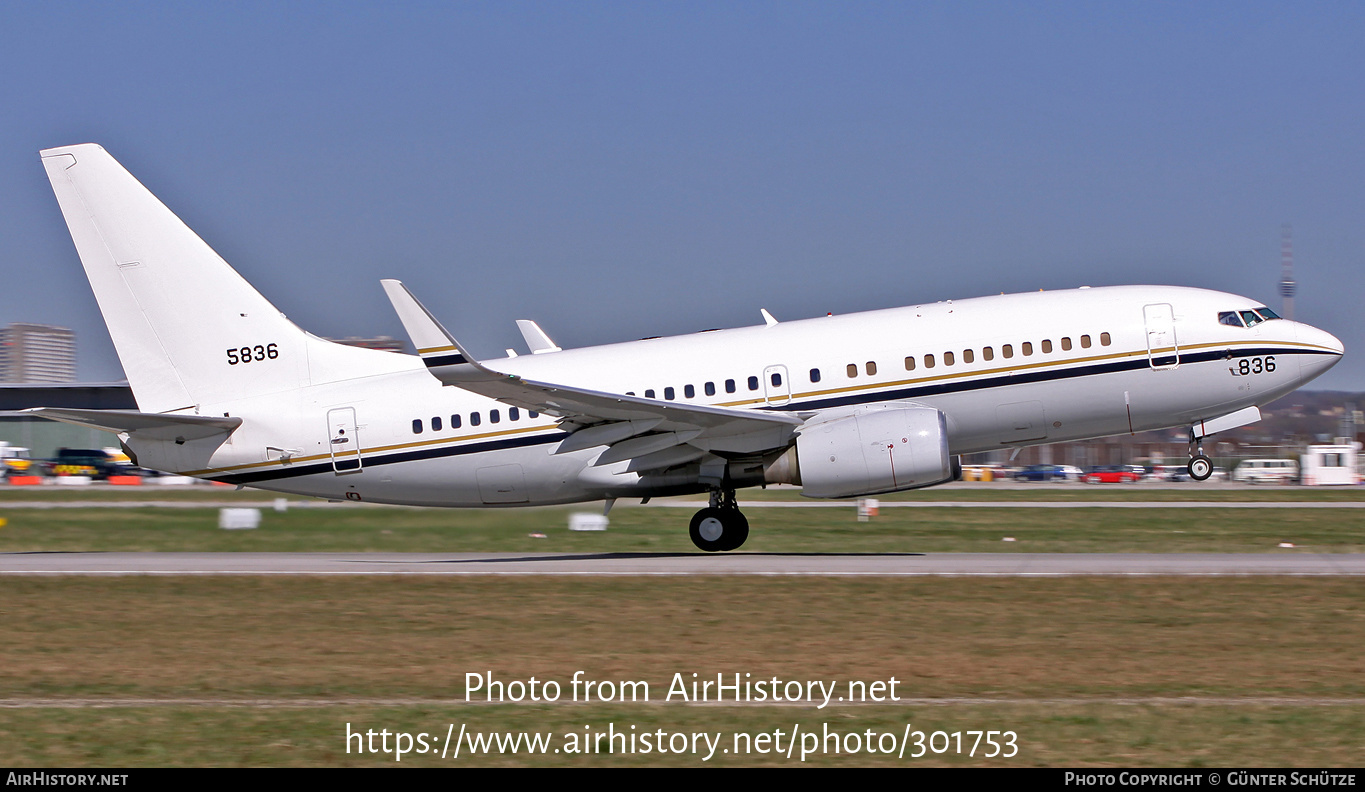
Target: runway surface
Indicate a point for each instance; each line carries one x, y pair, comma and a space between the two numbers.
1295, 563
697, 504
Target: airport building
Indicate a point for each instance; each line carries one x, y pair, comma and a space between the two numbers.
35, 353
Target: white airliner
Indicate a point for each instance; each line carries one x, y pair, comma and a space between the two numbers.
228, 389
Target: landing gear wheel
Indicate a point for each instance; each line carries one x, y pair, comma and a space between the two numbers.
1201, 467
717, 530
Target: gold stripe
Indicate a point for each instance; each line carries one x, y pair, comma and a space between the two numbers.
429, 350
1026, 367
375, 450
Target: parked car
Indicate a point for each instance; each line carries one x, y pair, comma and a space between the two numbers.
1070, 472
1039, 473
1110, 474
1170, 473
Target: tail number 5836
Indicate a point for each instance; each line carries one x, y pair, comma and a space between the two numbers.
248, 354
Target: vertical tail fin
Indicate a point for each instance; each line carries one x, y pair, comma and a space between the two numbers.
188, 329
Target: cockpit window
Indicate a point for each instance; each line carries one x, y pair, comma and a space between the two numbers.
1251, 318
1266, 313
1229, 318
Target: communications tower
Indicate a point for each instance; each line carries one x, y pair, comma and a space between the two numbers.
1287, 272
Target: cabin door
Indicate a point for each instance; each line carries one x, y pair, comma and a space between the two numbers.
1162, 350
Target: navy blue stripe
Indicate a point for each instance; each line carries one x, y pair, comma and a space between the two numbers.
934, 389
1022, 377
444, 360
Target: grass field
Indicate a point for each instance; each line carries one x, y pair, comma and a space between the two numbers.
161, 671
651, 528
1077, 667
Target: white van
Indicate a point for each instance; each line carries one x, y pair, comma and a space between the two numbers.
1266, 471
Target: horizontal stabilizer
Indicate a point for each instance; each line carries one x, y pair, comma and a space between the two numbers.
150, 426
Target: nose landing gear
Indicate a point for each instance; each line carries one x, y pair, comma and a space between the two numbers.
719, 527
1200, 467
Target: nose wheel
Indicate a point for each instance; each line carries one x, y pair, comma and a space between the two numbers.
721, 526
1200, 467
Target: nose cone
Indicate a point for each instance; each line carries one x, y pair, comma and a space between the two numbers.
1321, 351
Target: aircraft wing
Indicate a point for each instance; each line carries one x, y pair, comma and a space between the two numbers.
634, 427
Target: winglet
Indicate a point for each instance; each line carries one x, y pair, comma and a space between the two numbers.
767, 317
536, 340
444, 357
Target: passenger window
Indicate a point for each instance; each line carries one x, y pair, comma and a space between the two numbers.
1007, 351
1104, 339
948, 359
753, 383
910, 363
1085, 342
474, 419
852, 370
729, 386
630, 393
1066, 343
436, 423
494, 416
987, 353
1026, 348
513, 414
668, 393
1229, 318
455, 422
928, 361
968, 356
649, 393
776, 379
710, 389
815, 375
689, 391
532, 414
416, 425
871, 368
1047, 346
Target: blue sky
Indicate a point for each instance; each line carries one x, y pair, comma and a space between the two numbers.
618, 170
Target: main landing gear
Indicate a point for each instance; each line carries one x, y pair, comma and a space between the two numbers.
1200, 467
720, 526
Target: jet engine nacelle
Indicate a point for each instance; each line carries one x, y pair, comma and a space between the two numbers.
878, 448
